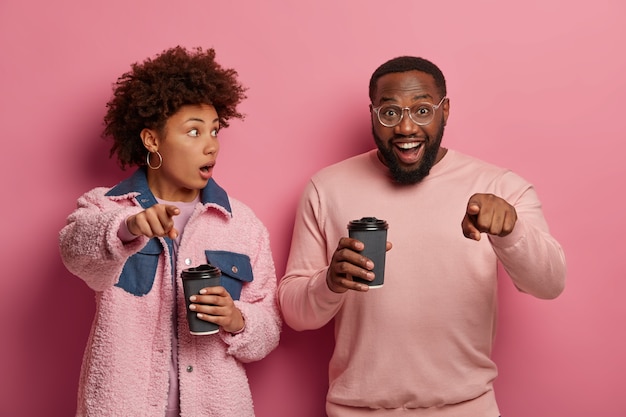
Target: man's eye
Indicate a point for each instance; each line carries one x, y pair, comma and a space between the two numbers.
390, 112
194, 133
422, 111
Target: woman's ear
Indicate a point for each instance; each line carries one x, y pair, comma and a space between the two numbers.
149, 139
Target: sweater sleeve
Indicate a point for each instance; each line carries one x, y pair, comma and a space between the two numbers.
304, 297
530, 254
89, 243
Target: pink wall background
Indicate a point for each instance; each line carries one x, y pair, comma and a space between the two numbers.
537, 86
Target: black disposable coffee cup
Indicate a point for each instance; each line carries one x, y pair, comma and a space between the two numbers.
373, 233
195, 279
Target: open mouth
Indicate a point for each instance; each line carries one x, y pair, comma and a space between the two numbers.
409, 152
208, 167
409, 146
206, 171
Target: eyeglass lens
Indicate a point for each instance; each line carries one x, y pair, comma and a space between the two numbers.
391, 115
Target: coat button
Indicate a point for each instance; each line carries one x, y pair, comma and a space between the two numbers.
187, 261
189, 368
234, 269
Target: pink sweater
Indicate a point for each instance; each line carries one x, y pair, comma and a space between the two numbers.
125, 366
421, 344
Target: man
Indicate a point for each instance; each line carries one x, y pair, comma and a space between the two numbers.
421, 344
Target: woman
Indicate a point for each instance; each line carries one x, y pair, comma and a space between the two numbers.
131, 242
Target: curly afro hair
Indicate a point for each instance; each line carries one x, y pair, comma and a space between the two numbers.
154, 90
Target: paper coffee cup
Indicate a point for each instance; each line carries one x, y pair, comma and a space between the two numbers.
195, 279
373, 233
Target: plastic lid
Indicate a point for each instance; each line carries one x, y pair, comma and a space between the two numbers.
202, 271
368, 223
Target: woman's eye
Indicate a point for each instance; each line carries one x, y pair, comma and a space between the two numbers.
214, 133
194, 132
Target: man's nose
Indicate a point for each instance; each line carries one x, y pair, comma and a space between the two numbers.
406, 125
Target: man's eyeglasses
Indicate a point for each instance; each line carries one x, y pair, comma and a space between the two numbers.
390, 115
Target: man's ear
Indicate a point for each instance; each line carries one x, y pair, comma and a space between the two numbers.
149, 139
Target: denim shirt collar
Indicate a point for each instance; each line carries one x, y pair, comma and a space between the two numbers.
138, 183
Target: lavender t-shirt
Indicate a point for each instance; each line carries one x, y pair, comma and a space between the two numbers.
186, 209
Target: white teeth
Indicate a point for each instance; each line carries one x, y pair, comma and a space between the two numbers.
409, 145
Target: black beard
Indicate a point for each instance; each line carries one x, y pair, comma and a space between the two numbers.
414, 176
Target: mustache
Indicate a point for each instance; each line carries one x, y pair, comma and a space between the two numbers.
411, 136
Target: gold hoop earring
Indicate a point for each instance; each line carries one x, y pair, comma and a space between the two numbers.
148, 160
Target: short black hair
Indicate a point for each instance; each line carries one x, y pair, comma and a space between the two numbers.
408, 63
